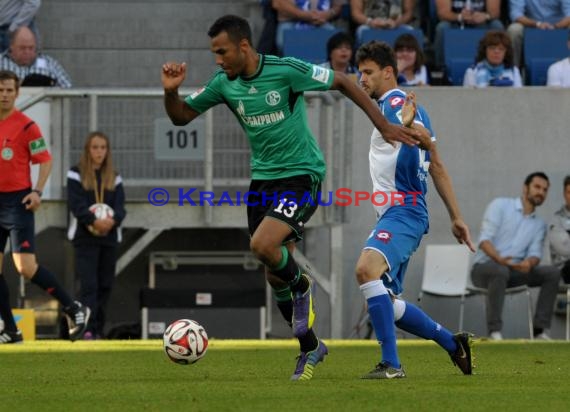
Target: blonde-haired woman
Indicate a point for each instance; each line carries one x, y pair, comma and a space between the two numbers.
96, 201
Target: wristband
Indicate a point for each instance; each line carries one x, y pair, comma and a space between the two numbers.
460, 18
39, 192
538, 23
368, 21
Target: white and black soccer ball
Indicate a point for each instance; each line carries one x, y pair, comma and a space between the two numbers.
185, 341
102, 210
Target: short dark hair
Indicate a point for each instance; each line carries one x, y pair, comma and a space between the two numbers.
9, 75
566, 181
379, 52
337, 40
529, 178
409, 41
236, 27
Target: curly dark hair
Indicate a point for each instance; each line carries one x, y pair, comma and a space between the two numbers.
379, 52
494, 38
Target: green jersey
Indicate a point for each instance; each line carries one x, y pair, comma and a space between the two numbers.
271, 109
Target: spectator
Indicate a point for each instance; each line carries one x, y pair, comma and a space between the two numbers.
410, 58
510, 248
266, 44
340, 54
540, 14
481, 14
35, 69
22, 145
559, 235
559, 72
14, 14
494, 63
304, 14
381, 14
95, 237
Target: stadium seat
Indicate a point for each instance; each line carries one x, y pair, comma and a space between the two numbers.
541, 48
446, 271
307, 44
459, 51
390, 36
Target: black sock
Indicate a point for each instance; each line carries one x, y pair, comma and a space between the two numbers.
284, 303
309, 342
5, 309
288, 271
48, 282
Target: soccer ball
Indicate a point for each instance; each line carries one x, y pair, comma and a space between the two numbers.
101, 210
185, 341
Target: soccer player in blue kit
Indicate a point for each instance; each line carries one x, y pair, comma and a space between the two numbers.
402, 170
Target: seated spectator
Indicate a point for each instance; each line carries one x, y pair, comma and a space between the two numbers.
410, 59
14, 14
494, 63
340, 53
559, 72
480, 14
381, 14
559, 235
304, 14
510, 248
540, 14
35, 69
266, 44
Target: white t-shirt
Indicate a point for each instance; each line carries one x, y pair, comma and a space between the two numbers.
559, 73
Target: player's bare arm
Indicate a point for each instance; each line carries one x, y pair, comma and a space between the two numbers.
444, 187
173, 74
390, 132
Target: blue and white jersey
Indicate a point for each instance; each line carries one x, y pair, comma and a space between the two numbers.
398, 172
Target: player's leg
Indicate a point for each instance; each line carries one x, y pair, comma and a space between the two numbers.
77, 314
370, 267
22, 240
274, 227
10, 332
412, 319
280, 219
380, 273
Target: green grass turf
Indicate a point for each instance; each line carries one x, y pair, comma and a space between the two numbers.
254, 376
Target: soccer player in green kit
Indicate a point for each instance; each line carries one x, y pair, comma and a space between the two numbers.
266, 95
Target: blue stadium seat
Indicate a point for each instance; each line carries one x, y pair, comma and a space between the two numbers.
390, 36
541, 48
307, 44
459, 51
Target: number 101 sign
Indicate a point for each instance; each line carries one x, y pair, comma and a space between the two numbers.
179, 142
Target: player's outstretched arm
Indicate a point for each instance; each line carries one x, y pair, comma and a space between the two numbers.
172, 76
444, 187
390, 132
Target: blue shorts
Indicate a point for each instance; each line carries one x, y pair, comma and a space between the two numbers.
396, 236
16, 222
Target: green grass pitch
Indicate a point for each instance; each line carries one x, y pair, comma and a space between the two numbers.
254, 376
